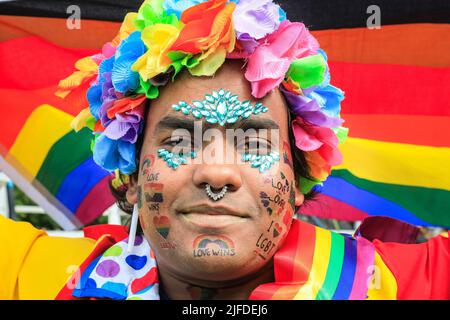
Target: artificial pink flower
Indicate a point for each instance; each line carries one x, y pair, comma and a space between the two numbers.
269, 63
320, 145
108, 50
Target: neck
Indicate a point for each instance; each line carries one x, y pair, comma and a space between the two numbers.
179, 288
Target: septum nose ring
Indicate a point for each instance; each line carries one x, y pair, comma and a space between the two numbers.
213, 195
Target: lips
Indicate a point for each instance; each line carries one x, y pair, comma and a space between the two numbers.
207, 217
216, 210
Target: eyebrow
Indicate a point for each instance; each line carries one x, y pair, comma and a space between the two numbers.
255, 123
175, 122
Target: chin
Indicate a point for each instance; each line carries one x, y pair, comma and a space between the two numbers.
222, 268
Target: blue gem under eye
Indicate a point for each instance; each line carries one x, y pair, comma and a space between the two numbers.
263, 162
174, 160
220, 107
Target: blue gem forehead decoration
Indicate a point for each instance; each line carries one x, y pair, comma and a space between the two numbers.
263, 162
175, 160
220, 107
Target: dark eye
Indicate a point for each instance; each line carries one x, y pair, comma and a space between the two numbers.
254, 146
180, 142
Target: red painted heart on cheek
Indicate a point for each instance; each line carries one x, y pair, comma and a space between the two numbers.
277, 229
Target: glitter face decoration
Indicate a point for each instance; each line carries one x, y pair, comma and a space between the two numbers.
175, 160
263, 162
220, 107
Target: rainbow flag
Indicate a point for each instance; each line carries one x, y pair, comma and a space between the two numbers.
397, 156
39, 150
338, 273
318, 264
395, 79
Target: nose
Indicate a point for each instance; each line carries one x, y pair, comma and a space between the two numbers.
218, 176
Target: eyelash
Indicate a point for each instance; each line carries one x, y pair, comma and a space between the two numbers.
242, 147
250, 146
173, 141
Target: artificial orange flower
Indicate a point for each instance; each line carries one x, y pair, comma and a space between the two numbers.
126, 104
207, 26
318, 167
98, 127
292, 86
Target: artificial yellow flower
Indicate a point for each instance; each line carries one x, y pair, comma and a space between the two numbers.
79, 122
158, 38
87, 69
126, 28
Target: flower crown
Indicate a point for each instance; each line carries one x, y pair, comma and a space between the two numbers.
164, 37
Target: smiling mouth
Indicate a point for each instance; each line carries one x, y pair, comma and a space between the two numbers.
205, 217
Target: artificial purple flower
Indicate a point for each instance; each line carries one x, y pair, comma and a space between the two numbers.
257, 18
126, 126
108, 97
106, 104
248, 43
310, 110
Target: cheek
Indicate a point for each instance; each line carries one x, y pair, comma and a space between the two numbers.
276, 197
157, 192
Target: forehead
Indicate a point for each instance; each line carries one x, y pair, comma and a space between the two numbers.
230, 77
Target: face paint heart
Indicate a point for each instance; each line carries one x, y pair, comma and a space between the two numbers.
162, 225
277, 229
264, 199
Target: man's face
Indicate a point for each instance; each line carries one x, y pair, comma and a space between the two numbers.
192, 235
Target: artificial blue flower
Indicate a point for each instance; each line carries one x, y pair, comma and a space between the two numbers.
123, 78
96, 93
282, 15
327, 96
94, 97
178, 6
104, 67
115, 154
329, 99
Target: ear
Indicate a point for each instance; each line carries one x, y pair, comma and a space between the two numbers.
299, 197
132, 191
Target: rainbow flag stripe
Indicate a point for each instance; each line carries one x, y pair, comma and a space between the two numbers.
316, 264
